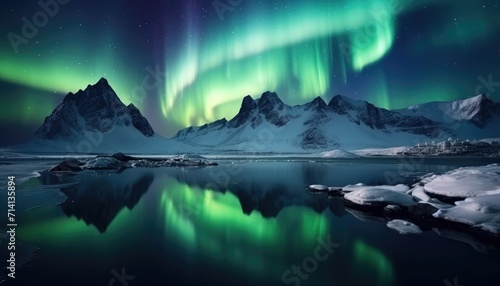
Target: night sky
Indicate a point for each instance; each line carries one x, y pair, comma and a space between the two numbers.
187, 62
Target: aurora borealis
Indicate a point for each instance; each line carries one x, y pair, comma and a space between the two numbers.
198, 59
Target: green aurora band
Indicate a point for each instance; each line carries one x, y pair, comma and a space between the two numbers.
294, 47
299, 49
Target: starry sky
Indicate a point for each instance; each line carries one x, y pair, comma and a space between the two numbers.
189, 62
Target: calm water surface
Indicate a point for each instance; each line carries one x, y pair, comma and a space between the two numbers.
240, 223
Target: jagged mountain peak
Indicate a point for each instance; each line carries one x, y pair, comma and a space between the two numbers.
102, 81
340, 99
269, 99
95, 109
270, 95
342, 105
248, 104
317, 103
478, 98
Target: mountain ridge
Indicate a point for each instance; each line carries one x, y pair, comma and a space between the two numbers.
479, 110
319, 118
264, 124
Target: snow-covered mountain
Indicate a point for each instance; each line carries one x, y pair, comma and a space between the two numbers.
94, 120
475, 117
267, 124
95, 109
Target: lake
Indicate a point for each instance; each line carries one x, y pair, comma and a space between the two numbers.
244, 222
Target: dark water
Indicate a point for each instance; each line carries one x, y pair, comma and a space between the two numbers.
241, 223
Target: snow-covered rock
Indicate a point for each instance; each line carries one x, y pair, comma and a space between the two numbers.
119, 161
392, 209
465, 182
360, 187
318, 188
102, 163
419, 194
378, 196
404, 227
480, 211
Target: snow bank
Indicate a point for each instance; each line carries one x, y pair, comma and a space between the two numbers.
466, 182
404, 227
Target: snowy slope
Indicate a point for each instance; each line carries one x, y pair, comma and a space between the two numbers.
96, 121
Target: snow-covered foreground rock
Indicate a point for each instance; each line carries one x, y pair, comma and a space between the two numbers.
378, 196
360, 187
465, 182
482, 212
475, 192
480, 186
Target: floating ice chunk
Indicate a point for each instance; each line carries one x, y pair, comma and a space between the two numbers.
404, 227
